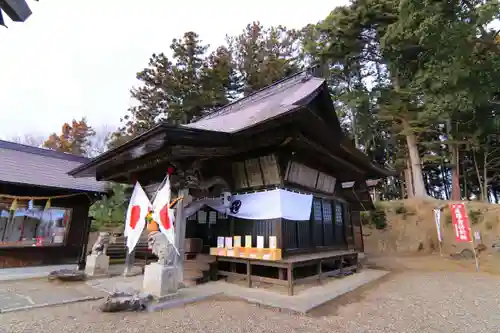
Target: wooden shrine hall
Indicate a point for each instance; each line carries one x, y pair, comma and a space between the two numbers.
283, 156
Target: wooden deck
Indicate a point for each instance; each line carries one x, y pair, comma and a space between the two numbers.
342, 261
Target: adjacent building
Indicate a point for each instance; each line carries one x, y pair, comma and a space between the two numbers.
43, 211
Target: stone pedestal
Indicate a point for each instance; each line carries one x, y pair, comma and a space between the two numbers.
97, 265
160, 280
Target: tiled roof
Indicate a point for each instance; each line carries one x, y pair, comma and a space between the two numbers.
273, 101
42, 167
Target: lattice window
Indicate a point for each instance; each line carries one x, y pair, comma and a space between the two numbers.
221, 216
339, 214
202, 217
327, 212
212, 217
317, 211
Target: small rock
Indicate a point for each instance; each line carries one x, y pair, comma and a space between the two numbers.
464, 254
67, 275
124, 301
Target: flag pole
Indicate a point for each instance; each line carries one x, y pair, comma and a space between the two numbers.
476, 258
170, 205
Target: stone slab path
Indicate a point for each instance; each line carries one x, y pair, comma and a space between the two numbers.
15, 274
36, 293
304, 302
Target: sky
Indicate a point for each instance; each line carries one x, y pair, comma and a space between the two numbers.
78, 58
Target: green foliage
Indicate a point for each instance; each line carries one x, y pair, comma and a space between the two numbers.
193, 82
447, 217
110, 211
379, 218
401, 209
475, 216
365, 218
414, 82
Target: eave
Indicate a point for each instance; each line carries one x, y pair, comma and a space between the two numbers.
150, 141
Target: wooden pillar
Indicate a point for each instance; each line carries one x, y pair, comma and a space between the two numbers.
290, 279
249, 274
319, 270
180, 232
82, 259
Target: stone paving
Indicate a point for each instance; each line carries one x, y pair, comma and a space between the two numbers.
14, 274
308, 299
34, 293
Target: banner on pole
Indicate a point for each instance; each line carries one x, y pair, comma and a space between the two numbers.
437, 218
460, 222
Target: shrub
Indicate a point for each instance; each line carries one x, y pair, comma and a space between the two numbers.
365, 218
489, 225
379, 218
475, 216
401, 210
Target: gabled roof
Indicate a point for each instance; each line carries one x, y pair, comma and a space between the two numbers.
21, 164
301, 99
271, 102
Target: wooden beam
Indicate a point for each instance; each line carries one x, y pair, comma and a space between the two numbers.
326, 152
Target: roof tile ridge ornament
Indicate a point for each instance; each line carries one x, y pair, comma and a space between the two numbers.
272, 89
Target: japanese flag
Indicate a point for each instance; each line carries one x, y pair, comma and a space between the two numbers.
162, 214
136, 216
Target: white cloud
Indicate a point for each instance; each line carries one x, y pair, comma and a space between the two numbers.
79, 58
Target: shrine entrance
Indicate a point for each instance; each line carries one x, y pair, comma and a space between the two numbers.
205, 226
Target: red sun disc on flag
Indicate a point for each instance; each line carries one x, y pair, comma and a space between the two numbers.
135, 214
164, 218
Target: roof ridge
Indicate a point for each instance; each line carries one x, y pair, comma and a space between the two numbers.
286, 82
20, 147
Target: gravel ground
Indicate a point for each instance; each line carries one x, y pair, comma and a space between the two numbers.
404, 302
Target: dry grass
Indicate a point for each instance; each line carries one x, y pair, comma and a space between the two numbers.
411, 228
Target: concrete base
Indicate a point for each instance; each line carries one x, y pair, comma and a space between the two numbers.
97, 265
160, 281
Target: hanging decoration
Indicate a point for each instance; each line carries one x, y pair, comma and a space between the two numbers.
13, 206
264, 205
28, 198
47, 205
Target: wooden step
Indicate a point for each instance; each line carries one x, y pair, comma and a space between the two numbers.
192, 264
207, 258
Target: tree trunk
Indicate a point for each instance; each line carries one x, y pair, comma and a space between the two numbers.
479, 181
416, 164
485, 179
455, 165
445, 182
455, 174
410, 192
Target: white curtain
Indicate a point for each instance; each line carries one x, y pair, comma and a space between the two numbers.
264, 205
